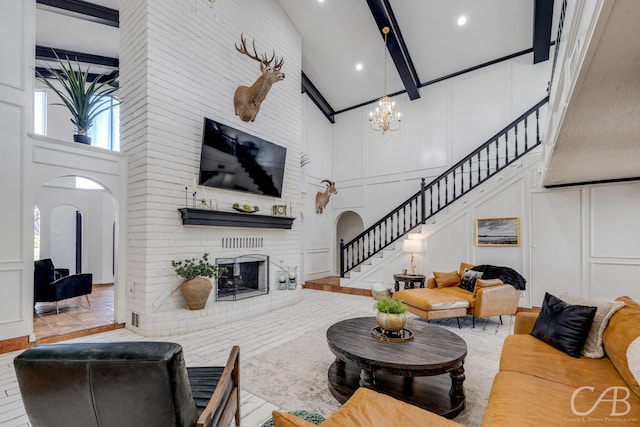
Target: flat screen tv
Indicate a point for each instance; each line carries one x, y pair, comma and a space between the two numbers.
235, 160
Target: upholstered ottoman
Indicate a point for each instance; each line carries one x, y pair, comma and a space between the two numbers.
432, 304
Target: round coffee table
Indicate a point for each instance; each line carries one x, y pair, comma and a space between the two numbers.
427, 371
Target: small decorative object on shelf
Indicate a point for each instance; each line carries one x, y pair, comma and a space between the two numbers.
245, 208
197, 286
279, 210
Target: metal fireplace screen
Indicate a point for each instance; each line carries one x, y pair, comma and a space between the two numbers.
247, 276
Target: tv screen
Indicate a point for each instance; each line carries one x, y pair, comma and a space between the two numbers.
238, 161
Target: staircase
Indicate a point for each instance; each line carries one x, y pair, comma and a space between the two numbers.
504, 148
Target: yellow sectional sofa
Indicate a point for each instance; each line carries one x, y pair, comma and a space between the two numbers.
539, 385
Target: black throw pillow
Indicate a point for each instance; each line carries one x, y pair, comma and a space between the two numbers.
562, 325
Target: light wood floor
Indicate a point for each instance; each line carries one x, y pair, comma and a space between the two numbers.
211, 347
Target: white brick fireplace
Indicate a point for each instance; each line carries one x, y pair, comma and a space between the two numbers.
178, 64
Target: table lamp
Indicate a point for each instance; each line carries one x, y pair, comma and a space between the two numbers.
412, 246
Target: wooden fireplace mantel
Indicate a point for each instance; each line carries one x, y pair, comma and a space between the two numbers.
193, 216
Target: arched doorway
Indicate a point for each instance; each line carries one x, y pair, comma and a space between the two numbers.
77, 220
349, 224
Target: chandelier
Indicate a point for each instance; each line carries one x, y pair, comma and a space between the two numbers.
385, 117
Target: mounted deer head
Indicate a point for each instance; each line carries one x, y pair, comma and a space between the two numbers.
247, 100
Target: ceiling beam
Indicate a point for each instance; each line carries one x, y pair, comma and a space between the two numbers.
102, 14
542, 20
317, 98
384, 17
44, 53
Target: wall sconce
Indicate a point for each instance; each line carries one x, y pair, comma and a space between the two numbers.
412, 246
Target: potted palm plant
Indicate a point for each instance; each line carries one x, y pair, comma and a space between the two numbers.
85, 100
197, 286
391, 314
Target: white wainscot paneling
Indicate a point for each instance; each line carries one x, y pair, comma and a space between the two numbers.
10, 170
614, 211
381, 198
425, 129
11, 50
556, 264
611, 280
478, 109
10, 310
448, 246
350, 197
348, 146
317, 262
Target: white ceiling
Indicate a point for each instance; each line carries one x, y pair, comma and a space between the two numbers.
337, 34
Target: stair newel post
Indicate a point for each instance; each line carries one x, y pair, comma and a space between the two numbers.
526, 134
341, 257
515, 129
537, 126
423, 204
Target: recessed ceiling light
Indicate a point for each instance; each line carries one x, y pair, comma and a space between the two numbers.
462, 20
359, 66
321, 1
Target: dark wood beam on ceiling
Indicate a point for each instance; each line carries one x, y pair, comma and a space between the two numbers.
542, 20
102, 14
90, 78
384, 17
317, 98
45, 53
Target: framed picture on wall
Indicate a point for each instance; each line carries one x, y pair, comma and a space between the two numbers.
498, 231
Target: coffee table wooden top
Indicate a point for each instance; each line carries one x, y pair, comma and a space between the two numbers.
434, 350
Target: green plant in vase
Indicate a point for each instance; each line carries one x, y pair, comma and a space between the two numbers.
197, 286
85, 100
391, 314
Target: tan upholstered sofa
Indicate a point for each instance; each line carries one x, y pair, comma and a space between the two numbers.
368, 408
444, 298
538, 385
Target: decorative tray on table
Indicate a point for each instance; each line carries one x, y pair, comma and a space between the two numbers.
402, 335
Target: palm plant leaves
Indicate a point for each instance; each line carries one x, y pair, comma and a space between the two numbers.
84, 101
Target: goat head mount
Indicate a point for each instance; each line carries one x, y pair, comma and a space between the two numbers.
322, 197
247, 100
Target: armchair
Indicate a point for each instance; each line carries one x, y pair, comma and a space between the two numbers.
443, 297
53, 285
125, 384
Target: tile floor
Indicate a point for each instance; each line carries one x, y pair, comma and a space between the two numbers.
75, 317
211, 347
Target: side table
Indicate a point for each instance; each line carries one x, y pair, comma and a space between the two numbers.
409, 280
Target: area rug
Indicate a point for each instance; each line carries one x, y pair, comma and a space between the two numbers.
293, 376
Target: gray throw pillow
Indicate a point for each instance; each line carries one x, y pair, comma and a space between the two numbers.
468, 281
593, 347
563, 326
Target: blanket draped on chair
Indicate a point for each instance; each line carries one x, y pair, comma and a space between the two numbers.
506, 274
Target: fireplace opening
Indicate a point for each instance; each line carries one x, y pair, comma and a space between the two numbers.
247, 276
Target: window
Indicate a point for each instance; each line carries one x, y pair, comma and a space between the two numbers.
40, 112
105, 132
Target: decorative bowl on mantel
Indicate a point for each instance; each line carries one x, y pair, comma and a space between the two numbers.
245, 208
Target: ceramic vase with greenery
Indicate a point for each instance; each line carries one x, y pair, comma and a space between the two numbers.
85, 100
197, 287
391, 314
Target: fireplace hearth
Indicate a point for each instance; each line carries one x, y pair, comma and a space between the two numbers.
247, 276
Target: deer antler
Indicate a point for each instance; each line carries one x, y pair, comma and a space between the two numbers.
243, 49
